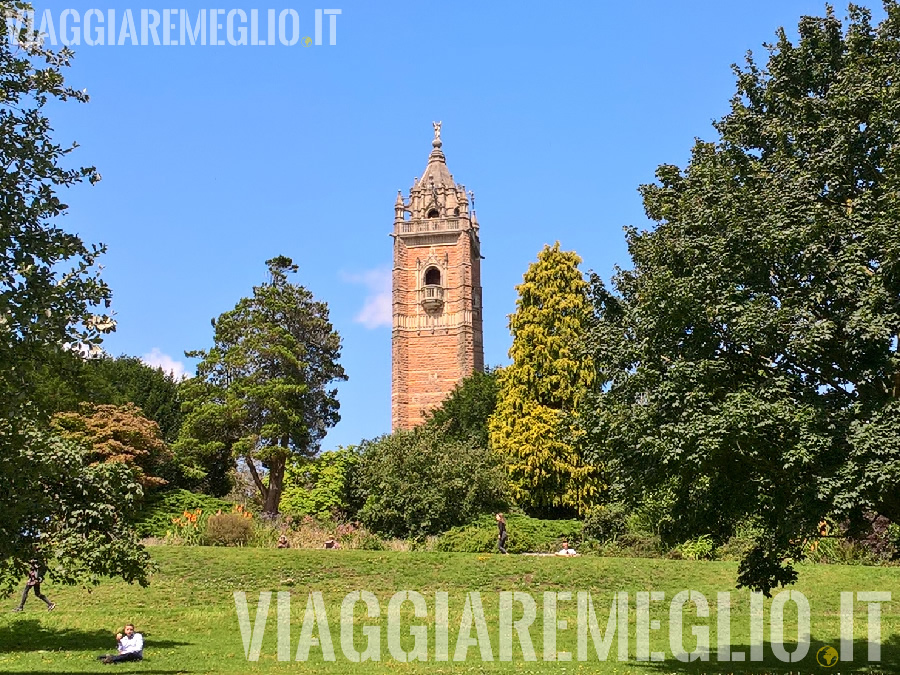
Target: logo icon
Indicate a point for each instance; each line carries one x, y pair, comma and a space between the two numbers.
827, 656
307, 41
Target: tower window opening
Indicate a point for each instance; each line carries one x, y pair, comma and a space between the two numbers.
432, 276
433, 213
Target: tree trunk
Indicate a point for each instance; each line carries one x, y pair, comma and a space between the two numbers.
276, 486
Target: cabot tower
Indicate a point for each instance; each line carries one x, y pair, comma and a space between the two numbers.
437, 334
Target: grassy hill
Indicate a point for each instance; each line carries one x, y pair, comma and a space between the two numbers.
189, 619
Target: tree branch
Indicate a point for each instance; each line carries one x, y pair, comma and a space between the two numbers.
264, 491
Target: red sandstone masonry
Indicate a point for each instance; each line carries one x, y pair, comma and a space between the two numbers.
428, 362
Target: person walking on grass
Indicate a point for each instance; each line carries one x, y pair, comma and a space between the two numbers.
130, 645
34, 582
501, 538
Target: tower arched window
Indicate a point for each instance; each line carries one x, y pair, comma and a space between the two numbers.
432, 276
433, 213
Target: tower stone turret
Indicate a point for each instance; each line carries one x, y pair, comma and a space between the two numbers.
437, 330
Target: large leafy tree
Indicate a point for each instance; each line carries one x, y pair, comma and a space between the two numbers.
113, 433
420, 482
127, 379
322, 486
541, 393
751, 354
55, 505
63, 386
264, 392
464, 414
71, 383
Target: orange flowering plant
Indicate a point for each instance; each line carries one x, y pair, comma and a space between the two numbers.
188, 528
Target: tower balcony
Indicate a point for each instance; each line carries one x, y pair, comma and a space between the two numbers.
432, 298
426, 225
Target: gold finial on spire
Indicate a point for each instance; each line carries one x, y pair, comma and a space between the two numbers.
437, 134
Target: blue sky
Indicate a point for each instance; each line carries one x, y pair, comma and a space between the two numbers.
215, 158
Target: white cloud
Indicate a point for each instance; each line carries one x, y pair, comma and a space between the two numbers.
376, 309
157, 359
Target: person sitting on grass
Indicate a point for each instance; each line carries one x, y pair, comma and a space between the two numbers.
565, 550
131, 647
34, 582
283, 542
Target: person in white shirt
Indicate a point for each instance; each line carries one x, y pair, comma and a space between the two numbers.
131, 647
565, 550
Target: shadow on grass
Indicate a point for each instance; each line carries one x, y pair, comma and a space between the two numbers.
889, 663
30, 636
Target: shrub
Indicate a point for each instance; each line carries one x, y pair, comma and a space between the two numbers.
320, 487
526, 535
480, 538
880, 537
893, 535
700, 548
155, 518
364, 540
265, 534
640, 545
740, 543
309, 532
419, 482
653, 515
605, 522
228, 529
869, 539
312, 533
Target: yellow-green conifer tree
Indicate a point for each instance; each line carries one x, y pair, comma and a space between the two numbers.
533, 426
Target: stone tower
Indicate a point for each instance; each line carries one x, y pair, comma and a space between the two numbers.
437, 335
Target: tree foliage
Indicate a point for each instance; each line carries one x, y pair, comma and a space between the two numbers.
322, 486
49, 283
533, 427
127, 379
63, 386
464, 414
419, 482
112, 433
750, 356
55, 506
72, 514
263, 391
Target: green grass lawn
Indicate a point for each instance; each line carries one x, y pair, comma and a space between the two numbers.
190, 623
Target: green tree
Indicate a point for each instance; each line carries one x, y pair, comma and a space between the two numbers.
63, 386
127, 379
419, 482
320, 486
534, 425
56, 506
464, 414
263, 392
750, 356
